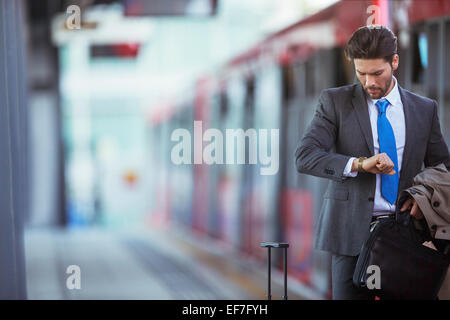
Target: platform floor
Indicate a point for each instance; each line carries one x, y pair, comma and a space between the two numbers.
139, 264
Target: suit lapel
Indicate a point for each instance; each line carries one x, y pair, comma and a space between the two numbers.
409, 134
362, 112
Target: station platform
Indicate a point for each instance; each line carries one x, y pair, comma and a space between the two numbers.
150, 264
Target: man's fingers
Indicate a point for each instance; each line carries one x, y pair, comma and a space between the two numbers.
385, 166
406, 205
388, 169
381, 164
385, 169
429, 244
414, 210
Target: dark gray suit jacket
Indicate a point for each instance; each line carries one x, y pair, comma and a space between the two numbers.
341, 129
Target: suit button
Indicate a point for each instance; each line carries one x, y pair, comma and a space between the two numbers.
433, 227
436, 204
371, 199
444, 231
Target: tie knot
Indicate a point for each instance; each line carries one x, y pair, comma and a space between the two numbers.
382, 105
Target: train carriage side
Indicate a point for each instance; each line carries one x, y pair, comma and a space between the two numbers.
424, 50
238, 205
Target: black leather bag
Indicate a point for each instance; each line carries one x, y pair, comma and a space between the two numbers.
408, 269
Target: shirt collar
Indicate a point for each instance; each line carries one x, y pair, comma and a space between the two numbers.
393, 97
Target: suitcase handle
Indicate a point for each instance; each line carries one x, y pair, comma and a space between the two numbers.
269, 246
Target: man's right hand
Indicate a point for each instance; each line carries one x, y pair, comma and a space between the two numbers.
378, 164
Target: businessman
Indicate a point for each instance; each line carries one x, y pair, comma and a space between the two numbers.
370, 139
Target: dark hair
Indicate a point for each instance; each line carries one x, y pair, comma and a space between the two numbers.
372, 42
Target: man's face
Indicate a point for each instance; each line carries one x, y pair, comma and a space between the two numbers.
375, 75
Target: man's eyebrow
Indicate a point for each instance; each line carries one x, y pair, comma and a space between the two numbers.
378, 71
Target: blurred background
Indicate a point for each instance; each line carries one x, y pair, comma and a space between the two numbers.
90, 93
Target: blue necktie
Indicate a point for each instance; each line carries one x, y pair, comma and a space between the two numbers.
386, 138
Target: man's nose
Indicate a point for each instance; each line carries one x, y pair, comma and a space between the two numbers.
370, 81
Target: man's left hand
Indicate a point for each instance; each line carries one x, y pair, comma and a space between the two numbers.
411, 203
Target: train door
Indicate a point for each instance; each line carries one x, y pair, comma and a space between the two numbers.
426, 67
302, 195
181, 175
202, 110
161, 195
214, 223
230, 175
265, 174
296, 205
247, 182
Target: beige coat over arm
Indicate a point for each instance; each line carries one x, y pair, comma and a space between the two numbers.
431, 190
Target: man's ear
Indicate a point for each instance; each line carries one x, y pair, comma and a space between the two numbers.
395, 61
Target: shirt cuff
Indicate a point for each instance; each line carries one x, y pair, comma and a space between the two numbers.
348, 169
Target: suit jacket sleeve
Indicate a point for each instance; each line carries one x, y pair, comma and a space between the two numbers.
313, 154
437, 150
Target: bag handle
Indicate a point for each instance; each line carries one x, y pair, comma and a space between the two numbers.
270, 245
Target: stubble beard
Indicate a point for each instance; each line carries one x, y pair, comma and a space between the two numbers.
382, 90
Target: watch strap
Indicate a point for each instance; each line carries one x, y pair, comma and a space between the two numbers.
360, 163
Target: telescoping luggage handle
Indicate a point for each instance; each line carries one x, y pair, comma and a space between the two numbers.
270, 245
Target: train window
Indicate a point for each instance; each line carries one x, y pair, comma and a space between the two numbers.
289, 83
249, 103
299, 79
324, 70
430, 58
423, 49
344, 73
236, 99
401, 71
250, 94
223, 105
310, 78
216, 109
420, 57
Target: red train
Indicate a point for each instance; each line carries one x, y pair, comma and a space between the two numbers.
275, 85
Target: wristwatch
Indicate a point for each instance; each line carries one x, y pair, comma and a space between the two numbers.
360, 163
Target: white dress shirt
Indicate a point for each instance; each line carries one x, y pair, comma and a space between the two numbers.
396, 117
